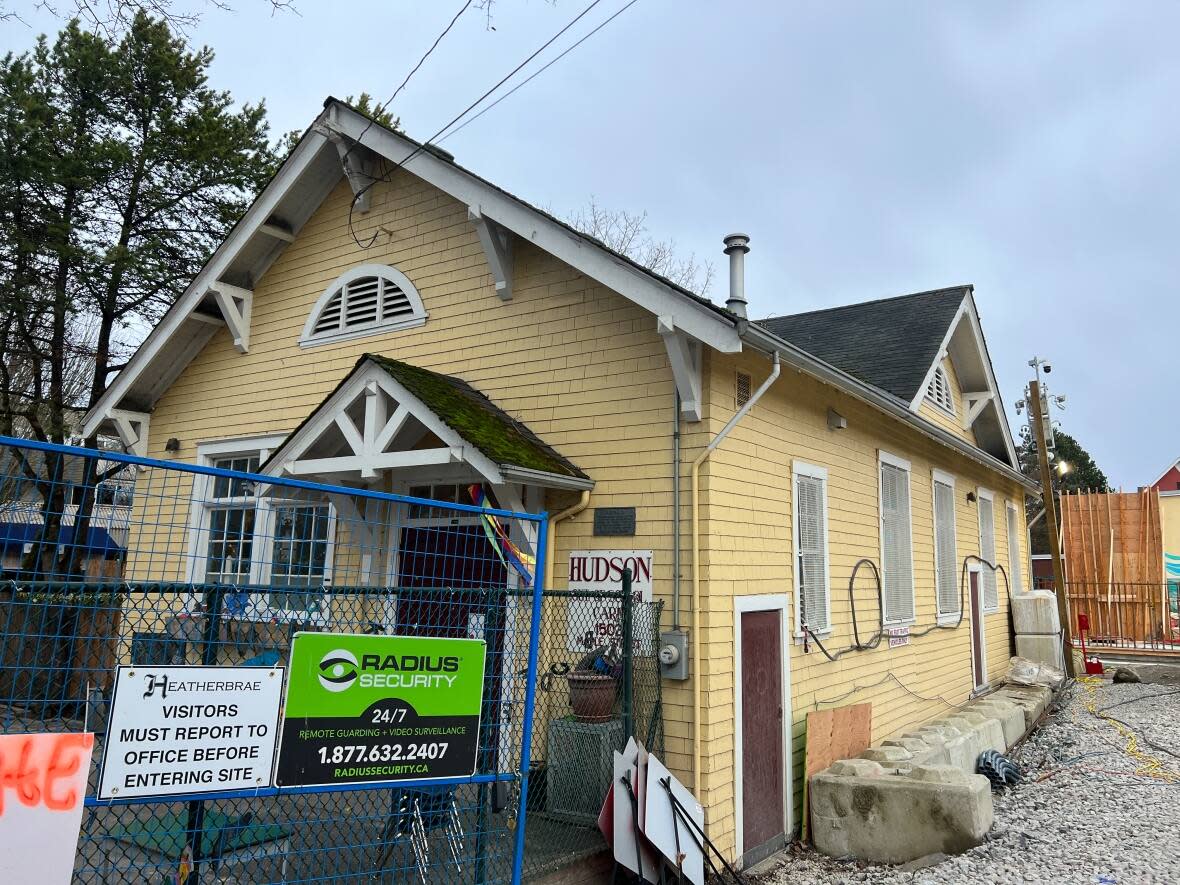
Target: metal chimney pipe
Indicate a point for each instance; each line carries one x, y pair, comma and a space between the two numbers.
736, 247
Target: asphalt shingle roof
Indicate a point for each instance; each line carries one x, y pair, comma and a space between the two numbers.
889, 343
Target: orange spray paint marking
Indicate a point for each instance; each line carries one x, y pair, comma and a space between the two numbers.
33, 765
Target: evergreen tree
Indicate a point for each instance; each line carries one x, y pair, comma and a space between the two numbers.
1083, 475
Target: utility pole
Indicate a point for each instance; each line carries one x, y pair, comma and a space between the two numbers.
1038, 417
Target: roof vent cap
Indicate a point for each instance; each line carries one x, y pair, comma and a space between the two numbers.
736, 247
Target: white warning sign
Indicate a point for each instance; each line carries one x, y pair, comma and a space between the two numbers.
182, 730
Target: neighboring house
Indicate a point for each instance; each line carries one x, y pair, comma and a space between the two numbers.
23, 514
549, 368
1168, 485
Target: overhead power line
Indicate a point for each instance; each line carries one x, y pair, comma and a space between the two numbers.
386, 176
540, 71
380, 109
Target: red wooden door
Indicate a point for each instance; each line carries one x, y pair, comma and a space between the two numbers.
762, 735
978, 658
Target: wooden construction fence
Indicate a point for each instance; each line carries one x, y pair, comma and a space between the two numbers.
1114, 565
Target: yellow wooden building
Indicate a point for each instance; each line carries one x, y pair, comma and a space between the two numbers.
764, 460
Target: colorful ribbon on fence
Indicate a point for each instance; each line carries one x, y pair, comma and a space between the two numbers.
509, 553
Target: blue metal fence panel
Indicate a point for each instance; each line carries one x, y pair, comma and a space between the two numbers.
216, 564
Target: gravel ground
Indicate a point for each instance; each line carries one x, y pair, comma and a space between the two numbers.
1067, 823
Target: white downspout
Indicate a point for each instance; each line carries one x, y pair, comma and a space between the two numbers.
551, 536
696, 572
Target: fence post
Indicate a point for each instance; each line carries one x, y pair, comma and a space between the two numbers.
628, 657
530, 698
196, 809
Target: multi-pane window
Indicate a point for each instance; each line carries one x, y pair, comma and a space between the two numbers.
946, 573
1015, 571
810, 498
248, 539
299, 554
232, 512
987, 550
897, 555
938, 391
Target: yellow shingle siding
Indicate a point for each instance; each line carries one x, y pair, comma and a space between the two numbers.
579, 364
748, 549
587, 371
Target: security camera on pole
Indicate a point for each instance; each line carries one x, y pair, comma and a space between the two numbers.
1037, 399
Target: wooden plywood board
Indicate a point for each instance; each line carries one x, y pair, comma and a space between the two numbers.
839, 733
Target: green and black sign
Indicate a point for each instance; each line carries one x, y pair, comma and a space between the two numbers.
365, 708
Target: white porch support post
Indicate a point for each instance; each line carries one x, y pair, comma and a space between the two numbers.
974, 404
360, 530
236, 306
132, 428
497, 246
684, 355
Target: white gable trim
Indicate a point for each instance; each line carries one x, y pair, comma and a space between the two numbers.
251, 223
1165, 471
976, 402
507, 213
367, 444
579, 252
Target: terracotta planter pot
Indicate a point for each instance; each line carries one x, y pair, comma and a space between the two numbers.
592, 696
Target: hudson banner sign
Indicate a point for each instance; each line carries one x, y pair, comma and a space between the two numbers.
363, 708
597, 622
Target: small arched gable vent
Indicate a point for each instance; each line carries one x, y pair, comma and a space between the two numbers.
938, 391
366, 300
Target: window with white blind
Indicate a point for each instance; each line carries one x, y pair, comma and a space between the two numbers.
366, 300
1015, 571
946, 567
810, 509
897, 551
987, 549
938, 391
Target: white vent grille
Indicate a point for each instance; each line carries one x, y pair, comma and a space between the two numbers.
743, 389
946, 570
938, 391
368, 299
896, 547
987, 551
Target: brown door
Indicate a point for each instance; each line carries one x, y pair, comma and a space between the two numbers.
978, 659
762, 735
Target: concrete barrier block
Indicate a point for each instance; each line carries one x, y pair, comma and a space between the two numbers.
894, 819
921, 753
1042, 649
1035, 612
991, 733
888, 756
1010, 716
1033, 699
855, 768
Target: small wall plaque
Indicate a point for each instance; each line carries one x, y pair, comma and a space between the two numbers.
614, 521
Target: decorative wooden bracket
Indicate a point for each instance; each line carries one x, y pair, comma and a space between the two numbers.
236, 306
684, 355
497, 246
132, 428
973, 405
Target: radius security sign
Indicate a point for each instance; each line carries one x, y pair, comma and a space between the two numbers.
364, 708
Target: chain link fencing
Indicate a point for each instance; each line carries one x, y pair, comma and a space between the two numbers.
113, 563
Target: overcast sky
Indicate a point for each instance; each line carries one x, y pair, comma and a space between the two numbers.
868, 149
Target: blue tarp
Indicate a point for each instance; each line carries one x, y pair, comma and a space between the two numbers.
17, 534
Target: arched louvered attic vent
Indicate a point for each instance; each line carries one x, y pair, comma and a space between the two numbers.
938, 391
366, 300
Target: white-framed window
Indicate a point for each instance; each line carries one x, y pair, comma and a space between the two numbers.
242, 538
897, 549
809, 508
1015, 569
938, 391
365, 300
946, 566
987, 549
